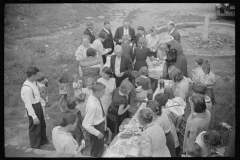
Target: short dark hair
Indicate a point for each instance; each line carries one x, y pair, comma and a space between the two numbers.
32, 70
146, 115
162, 99
91, 52
108, 71
69, 118
103, 35
126, 20
198, 103
71, 102
106, 22
169, 93
97, 87
212, 138
132, 76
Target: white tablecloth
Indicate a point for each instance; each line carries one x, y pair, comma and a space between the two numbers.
155, 72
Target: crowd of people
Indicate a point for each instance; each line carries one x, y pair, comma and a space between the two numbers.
111, 85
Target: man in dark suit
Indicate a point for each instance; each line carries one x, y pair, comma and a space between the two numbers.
108, 43
125, 29
173, 31
120, 65
89, 31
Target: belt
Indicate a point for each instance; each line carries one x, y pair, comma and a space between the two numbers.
100, 123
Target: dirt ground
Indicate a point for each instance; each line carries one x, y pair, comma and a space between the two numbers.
47, 35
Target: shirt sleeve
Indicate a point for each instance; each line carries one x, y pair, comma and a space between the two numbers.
146, 145
88, 119
27, 98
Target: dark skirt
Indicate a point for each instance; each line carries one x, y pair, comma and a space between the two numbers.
181, 64
210, 93
139, 64
182, 127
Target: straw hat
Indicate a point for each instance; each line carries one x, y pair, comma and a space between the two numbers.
167, 38
171, 23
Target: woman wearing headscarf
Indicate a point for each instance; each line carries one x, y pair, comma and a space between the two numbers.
175, 55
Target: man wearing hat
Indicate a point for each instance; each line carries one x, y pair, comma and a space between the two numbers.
89, 31
173, 31
31, 98
108, 43
141, 33
125, 29
175, 55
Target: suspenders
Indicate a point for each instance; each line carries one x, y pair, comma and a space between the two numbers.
32, 91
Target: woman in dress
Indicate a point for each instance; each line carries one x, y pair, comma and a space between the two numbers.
162, 119
140, 53
90, 66
141, 33
62, 138
82, 49
117, 111
175, 47
197, 121
133, 100
153, 141
110, 84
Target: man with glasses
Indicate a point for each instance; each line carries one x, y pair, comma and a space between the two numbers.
124, 30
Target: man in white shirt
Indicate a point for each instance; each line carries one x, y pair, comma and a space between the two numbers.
94, 120
153, 39
31, 98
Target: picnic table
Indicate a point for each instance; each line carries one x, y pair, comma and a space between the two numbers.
114, 149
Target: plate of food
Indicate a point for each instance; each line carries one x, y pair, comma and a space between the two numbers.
125, 135
126, 143
128, 126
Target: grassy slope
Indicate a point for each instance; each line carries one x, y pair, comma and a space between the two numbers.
61, 50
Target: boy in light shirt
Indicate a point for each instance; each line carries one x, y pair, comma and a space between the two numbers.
197, 72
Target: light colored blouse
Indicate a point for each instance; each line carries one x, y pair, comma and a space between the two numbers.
64, 142
152, 41
81, 52
163, 121
199, 140
153, 141
208, 79
181, 88
196, 74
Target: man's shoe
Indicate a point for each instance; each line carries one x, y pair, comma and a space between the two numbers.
44, 143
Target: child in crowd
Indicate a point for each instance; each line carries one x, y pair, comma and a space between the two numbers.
206, 141
63, 83
78, 131
42, 90
77, 85
144, 82
127, 49
208, 78
197, 72
88, 90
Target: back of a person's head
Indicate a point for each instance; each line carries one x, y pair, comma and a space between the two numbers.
69, 118
155, 107
80, 98
146, 115
91, 52
126, 38
143, 70
108, 71
98, 87
133, 75
212, 138
125, 86
194, 150
32, 70
71, 102
169, 93
198, 103
175, 74
162, 99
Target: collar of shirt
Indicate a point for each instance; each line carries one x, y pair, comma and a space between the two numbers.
200, 115
106, 30
171, 31
66, 133
90, 31
150, 124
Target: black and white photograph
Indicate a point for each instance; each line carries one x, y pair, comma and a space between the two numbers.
74, 77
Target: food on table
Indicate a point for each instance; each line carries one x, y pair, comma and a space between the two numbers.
125, 135
126, 144
128, 126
